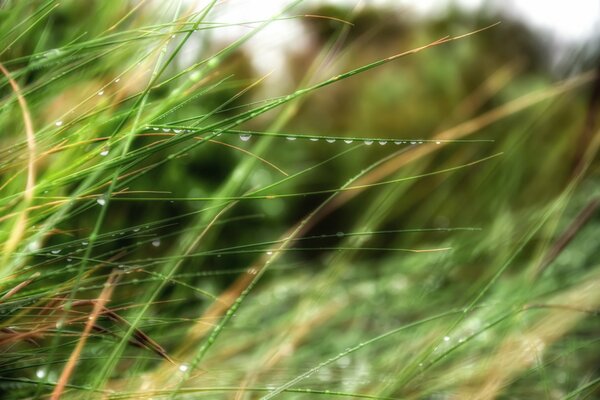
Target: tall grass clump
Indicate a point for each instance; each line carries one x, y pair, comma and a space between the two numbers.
410, 212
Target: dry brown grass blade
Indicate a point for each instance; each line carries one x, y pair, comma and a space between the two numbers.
14, 336
98, 307
563, 241
139, 337
17, 288
20, 225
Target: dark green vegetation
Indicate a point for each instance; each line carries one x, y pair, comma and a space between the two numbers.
397, 224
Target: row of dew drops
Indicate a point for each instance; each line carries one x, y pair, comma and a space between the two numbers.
245, 137
329, 139
60, 122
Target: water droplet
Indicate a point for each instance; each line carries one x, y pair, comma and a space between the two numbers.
382, 142
155, 129
104, 152
195, 76
245, 137
446, 338
348, 141
166, 130
40, 373
290, 138
397, 141
344, 362
213, 62
34, 246
55, 251
252, 271
156, 242
413, 142
269, 253
136, 230
330, 140
368, 142
52, 53
339, 234
184, 367
177, 130
100, 93
438, 142
84, 243
101, 201
117, 80
69, 259
314, 139
58, 123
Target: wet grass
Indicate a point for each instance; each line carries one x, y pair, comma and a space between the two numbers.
170, 231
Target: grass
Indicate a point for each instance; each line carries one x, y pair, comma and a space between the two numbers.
415, 216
